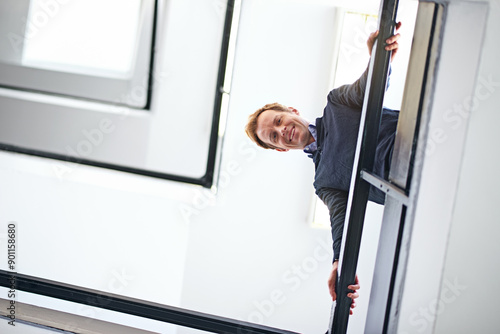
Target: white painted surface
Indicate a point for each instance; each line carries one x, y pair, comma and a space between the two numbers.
449, 263
22, 328
246, 253
473, 248
184, 80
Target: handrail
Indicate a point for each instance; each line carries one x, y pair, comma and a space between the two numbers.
364, 160
390, 266
133, 306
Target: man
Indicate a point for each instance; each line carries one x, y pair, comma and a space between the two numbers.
331, 143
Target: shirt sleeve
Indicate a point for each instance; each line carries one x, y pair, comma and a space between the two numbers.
336, 201
352, 95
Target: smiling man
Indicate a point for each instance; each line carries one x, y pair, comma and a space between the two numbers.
331, 142
283, 131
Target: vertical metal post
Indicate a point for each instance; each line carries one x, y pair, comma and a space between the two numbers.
364, 160
382, 311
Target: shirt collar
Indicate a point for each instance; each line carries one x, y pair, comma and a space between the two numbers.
311, 148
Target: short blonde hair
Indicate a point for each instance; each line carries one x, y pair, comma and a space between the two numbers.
251, 127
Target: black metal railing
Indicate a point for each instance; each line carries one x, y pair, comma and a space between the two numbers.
149, 310
363, 164
396, 229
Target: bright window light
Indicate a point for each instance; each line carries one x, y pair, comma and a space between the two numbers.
353, 54
321, 216
83, 36
351, 62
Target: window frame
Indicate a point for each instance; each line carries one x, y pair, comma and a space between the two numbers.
87, 86
138, 121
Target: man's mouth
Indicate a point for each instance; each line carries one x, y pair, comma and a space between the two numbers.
292, 133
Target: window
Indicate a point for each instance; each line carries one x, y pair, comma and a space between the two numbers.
75, 49
131, 85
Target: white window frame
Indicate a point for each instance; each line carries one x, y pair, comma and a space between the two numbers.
176, 137
86, 86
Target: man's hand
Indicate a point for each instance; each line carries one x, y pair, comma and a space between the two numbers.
391, 42
354, 294
332, 281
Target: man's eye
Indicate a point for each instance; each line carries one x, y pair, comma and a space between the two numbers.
274, 137
279, 121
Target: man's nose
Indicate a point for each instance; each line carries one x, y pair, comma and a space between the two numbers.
283, 130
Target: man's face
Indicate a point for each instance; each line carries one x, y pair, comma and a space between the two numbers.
283, 131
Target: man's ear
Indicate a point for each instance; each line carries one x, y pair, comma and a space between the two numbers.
295, 111
281, 150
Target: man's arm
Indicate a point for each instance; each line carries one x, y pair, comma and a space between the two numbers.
353, 94
336, 201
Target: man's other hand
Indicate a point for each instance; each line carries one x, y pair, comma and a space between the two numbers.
354, 294
391, 42
332, 281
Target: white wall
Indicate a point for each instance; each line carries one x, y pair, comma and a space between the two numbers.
451, 284
161, 241
247, 252
472, 264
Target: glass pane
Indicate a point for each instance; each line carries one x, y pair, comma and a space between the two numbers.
353, 56
82, 36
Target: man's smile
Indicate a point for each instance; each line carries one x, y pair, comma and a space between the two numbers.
283, 130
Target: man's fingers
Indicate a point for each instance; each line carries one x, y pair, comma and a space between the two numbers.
333, 294
393, 39
371, 38
353, 295
353, 305
354, 287
332, 280
391, 47
331, 287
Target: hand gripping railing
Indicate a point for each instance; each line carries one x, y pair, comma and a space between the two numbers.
363, 164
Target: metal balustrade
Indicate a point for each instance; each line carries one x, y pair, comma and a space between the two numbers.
142, 308
392, 254
364, 162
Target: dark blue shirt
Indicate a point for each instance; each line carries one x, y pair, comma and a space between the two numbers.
337, 135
